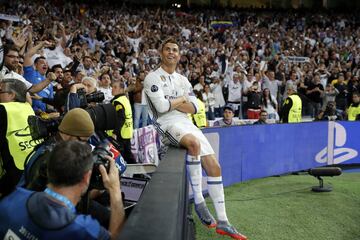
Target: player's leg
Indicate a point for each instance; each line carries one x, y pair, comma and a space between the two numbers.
193, 165
184, 134
216, 193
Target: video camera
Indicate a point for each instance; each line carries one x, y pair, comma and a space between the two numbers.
84, 98
103, 116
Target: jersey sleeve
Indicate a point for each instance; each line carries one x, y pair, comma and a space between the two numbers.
155, 94
189, 91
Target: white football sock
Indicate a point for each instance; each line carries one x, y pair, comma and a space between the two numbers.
193, 165
216, 192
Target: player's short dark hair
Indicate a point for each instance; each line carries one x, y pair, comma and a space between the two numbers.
68, 162
169, 40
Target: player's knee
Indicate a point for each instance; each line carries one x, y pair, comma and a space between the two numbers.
193, 145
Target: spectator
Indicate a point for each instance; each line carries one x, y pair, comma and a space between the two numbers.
329, 95
11, 62
341, 98
314, 93
86, 66
330, 113
269, 104
217, 89
37, 75
271, 83
227, 119
262, 118
105, 87
235, 93
140, 104
253, 104
209, 100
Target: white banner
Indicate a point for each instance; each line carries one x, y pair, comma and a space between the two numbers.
7, 17
294, 59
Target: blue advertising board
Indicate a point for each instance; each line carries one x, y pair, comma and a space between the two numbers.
256, 151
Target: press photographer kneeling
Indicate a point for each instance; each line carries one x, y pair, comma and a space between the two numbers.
51, 214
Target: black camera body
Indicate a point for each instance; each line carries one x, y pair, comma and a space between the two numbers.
43, 128
99, 157
103, 116
84, 98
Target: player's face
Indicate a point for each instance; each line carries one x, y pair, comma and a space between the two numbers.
170, 54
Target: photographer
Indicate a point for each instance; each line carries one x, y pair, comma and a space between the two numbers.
76, 125
15, 140
51, 214
83, 94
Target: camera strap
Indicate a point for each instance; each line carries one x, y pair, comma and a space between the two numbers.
62, 199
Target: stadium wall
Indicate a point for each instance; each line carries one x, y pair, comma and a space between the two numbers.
249, 152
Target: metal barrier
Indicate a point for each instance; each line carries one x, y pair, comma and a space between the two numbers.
162, 211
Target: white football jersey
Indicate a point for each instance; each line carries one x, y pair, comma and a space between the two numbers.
160, 87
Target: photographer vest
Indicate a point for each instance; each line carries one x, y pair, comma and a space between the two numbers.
200, 116
295, 110
18, 137
127, 128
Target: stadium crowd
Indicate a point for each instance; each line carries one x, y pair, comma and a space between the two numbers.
247, 59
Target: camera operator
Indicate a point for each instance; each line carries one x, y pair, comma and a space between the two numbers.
15, 140
83, 94
51, 214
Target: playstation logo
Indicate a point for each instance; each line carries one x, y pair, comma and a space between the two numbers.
335, 153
